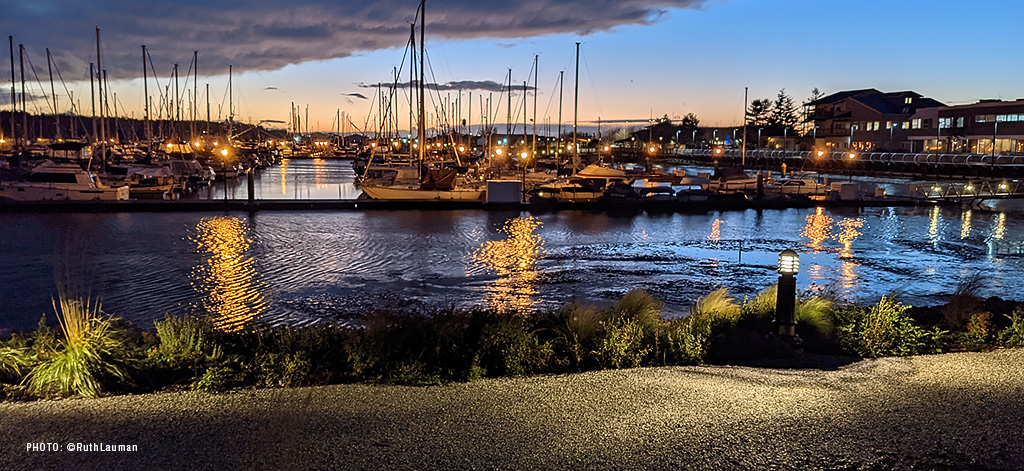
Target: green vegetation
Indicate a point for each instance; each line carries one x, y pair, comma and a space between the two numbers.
93, 354
89, 357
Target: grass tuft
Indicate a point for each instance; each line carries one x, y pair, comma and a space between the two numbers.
88, 357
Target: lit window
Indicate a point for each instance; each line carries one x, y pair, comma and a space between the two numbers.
945, 123
906, 125
916, 123
960, 122
908, 100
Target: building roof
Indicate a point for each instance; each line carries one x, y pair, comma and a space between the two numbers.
840, 96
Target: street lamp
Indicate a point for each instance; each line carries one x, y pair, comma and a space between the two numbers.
759, 137
693, 140
785, 303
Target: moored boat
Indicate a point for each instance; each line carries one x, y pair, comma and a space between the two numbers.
52, 181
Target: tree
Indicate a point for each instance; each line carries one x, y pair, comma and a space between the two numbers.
783, 111
808, 110
759, 112
690, 121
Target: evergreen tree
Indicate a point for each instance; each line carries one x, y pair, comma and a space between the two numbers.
807, 114
759, 112
783, 112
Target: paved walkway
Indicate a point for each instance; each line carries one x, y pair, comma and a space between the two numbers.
953, 411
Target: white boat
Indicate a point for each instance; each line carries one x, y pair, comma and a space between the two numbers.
419, 194
585, 186
443, 184
51, 181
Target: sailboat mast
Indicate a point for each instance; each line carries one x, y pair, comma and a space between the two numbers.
536, 72
207, 109
575, 115
412, 81
99, 80
561, 83
92, 96
421, 118
231, 107
508, 119
145, 95
56, 114
195, 94
24, 109
14, 96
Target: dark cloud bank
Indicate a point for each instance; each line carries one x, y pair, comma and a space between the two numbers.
268, 35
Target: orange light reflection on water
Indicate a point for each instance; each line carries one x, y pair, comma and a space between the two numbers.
284, 177
818, 228
716, 231
227, 279
320, 173
514, 260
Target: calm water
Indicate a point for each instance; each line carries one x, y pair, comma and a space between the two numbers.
306, 267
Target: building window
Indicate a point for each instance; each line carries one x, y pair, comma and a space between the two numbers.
888, 124
945, 123
915, 123
906, 125
908, 100
960, 122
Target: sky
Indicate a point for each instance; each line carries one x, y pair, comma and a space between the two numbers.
638, 58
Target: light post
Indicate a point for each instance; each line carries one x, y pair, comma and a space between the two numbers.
785, 138
714, 137
759, 137
693, 140
785, 303
892, 125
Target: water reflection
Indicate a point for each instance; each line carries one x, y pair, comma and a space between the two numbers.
320, 173
514, 260
933, 224
965, 224
284, 177
716, 231
818, 228
227, 279
1000, 229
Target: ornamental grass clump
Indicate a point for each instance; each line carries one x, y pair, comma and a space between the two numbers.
1013, 335
88, 357
12, 362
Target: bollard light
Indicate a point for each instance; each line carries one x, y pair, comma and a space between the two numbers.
789, 262
785, 303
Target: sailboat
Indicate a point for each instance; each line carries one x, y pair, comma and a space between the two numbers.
433, 184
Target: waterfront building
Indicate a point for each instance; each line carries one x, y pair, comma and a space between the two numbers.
994, 127
868, 120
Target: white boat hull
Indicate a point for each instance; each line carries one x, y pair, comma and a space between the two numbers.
21, 191
416, 194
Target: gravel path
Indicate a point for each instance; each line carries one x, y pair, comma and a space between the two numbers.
952, 411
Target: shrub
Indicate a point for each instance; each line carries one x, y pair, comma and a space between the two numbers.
689, 339
186, 336
90, 354
885, 329
287, 370
622, 345
1013, 335
979, 329
215, 379
624, 329
509, 348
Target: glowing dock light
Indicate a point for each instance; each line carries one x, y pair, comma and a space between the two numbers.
785, 303
224, 152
